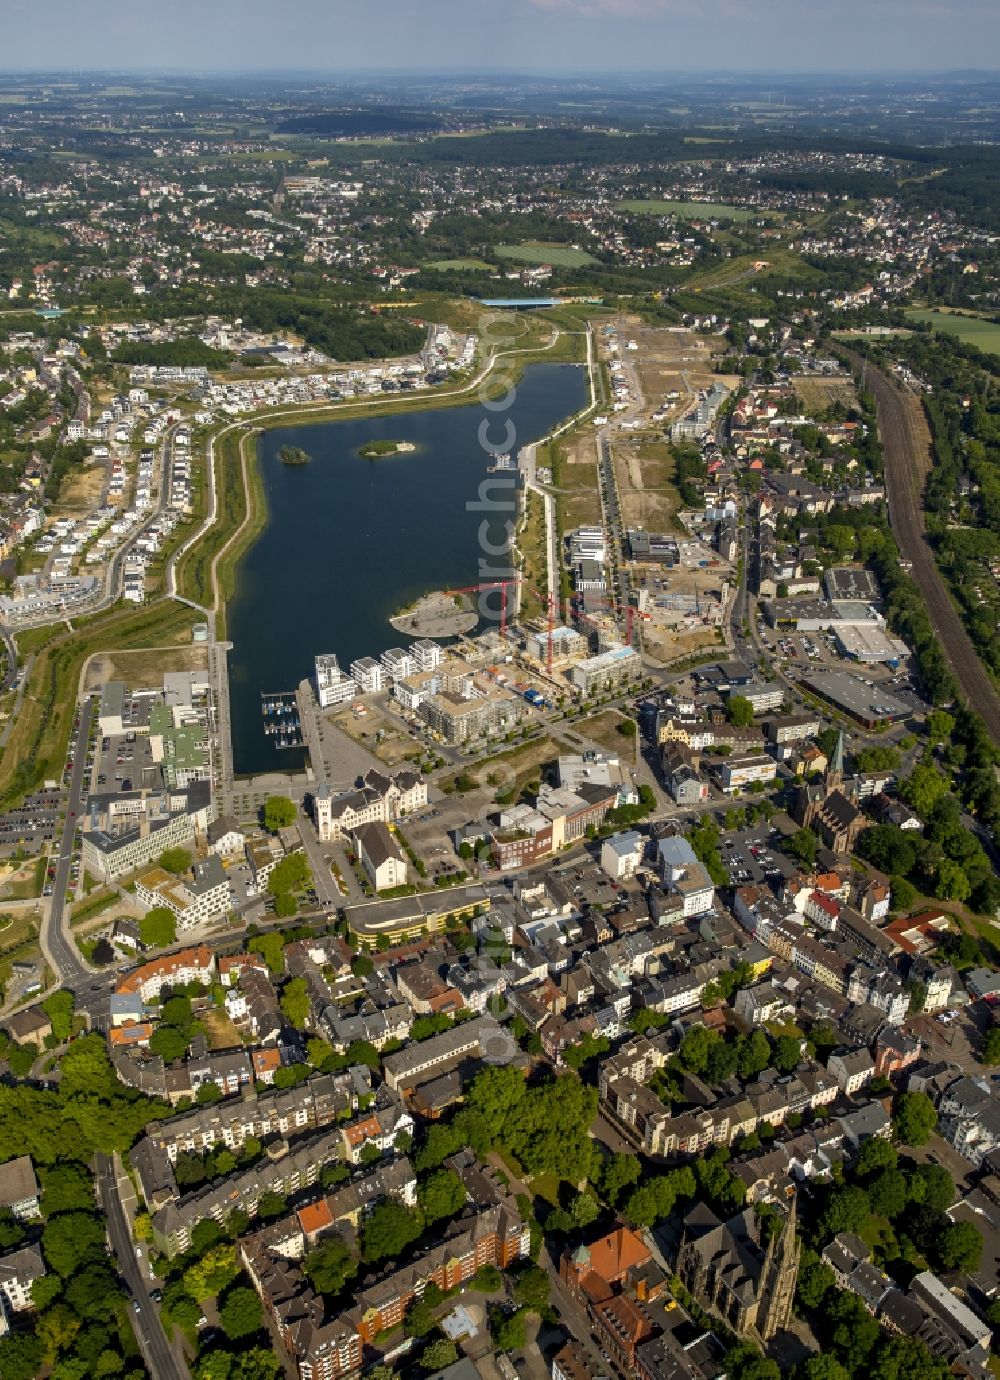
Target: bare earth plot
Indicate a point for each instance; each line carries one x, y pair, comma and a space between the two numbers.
818, 394
378, 734
645, 471
144, 668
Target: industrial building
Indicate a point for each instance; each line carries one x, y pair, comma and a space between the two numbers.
868, 705
819, 615
851, 582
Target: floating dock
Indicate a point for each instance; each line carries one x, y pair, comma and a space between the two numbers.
280, 712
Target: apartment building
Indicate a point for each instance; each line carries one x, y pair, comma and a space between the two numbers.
204, 897
368, 675
333, 686
126, 830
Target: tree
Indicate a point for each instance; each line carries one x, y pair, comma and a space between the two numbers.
362, 965
877, 1154
960, 1247
72, 1239
66, 1187
271, 1204
933, 1186
952, 882
419, 1319
753, 1054
940, 726
990, 1053
913, 1118
923, 788
176, 860
739, 711
291, 874
508, 1330
531, 1288
906, 1358
618, 1172
439, 1354
904, 893
387, 1231
241, 1313
442, 1195
279, 813
887, 1193
803, 845
584, 1210
823, 1367
695, 1048
158, 928
212, 1273
295, 1004
787, 1053
271, 947
815, 1281
169, 1043
330, 1266
59, 1009
848, 1209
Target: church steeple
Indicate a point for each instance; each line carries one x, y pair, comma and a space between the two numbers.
835, 769
779, 1277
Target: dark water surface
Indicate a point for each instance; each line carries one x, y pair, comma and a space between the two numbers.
349, 541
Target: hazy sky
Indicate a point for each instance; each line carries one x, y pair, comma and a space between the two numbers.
523, 35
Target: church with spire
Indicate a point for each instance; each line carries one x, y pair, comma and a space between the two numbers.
745, 1269
828, 807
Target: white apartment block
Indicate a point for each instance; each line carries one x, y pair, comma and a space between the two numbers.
333, 686
367, 675
426, 654
398, 664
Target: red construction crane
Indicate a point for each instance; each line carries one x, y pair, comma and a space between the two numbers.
501, 585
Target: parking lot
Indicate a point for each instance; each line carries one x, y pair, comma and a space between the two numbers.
34, 823
126, 764
753, 857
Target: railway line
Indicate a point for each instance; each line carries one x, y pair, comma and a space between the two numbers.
907, 463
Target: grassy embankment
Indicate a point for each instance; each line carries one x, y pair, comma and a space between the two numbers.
37, 746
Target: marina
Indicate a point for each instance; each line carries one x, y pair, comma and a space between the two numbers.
280, 713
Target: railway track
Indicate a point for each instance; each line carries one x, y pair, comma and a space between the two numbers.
907, 444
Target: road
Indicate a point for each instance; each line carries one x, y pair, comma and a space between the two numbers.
907, 462
10, 669
56, 941
146, 1323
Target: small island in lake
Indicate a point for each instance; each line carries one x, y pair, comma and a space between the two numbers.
375, 450
293, 455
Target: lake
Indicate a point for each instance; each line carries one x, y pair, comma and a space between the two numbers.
349, 541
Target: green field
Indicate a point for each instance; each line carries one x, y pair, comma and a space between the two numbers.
690, 210
971, 330
536, 252
458, 265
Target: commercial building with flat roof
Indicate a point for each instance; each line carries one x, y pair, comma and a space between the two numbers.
868, 705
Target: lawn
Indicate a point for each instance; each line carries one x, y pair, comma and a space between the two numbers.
458, 265
538, 252
971, 330
690, 210
603, 729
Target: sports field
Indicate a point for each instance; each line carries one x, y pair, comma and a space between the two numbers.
689, 210
971, 330
536, 252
